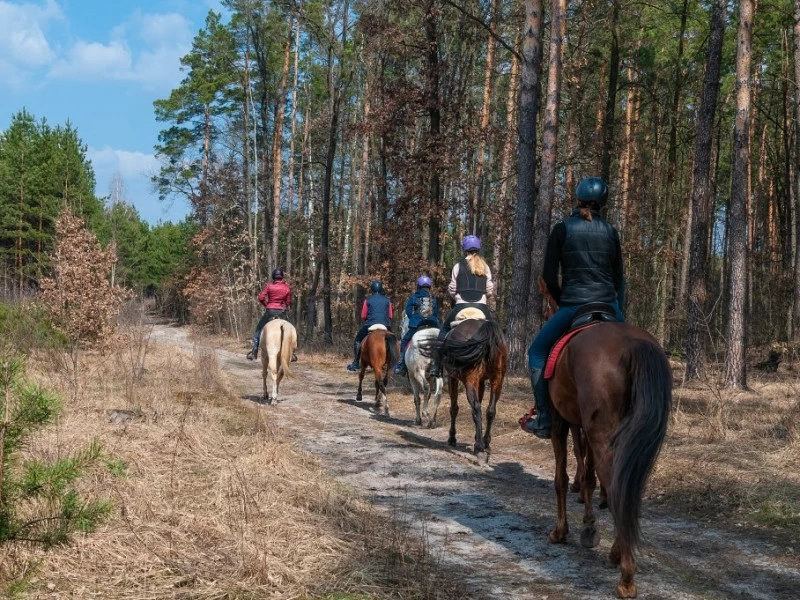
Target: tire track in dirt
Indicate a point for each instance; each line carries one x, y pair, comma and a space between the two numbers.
492, 521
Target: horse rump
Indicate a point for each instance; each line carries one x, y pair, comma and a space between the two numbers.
471, 342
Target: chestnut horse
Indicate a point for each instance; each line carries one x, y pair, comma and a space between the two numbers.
379, 350
614, 381
475, 351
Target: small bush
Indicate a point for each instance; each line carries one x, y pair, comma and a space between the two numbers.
38, 498
26, 327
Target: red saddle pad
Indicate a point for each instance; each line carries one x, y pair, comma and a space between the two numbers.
552, 359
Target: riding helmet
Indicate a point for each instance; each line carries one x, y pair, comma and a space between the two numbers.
424, 281
471, 243
592, 189
277, 274
376, 287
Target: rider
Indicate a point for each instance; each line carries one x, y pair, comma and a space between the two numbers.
276, 298
421, 306
586, 248
470, 285
376, 310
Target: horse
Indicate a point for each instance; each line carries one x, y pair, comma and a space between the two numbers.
278, 342
474, 351
614, 381
378, 350
418, 366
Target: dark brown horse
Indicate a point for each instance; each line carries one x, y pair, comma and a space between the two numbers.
613, 380
474, 352
379, 350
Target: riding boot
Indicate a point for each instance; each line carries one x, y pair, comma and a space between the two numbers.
436, 357
539, 425
356, 364
400, 367
253, 354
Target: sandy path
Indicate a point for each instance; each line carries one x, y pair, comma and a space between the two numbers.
494, 520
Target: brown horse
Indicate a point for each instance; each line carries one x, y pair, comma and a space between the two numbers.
614, 381
379, 350
473, 352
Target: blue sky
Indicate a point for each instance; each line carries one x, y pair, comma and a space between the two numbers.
100, 64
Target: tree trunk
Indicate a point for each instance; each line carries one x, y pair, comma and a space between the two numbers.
277, 148
434, 115
547, 184
290, 191
735, 367
796, 169
611, 97
526, 182
701, 198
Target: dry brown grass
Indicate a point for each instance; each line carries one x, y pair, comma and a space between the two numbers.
211, 501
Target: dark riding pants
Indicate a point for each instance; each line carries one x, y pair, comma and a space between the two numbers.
269, 314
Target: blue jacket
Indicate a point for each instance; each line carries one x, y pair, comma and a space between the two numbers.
421, 306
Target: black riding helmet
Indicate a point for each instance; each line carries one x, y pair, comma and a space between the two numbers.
277, 274
376, 287
592, 189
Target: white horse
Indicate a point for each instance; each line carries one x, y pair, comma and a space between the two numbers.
418, 367
278, 343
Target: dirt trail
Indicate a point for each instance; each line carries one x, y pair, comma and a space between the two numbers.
493, 520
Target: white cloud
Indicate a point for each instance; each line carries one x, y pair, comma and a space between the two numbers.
23, 43
130, 165
146, 48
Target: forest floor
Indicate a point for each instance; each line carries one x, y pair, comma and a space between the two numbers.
720, 519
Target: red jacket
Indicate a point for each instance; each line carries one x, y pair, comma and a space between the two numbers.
276, 295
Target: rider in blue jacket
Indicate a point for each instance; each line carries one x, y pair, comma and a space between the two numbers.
421, 306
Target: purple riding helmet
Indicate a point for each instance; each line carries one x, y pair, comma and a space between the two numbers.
424, 281
471, 243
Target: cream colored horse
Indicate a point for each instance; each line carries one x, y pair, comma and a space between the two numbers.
278, 343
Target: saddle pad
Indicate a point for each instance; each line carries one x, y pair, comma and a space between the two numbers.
378, 327
468, 313
552, 359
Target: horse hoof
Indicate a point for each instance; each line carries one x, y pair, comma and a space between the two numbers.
554, 537
575, 486
603, 503
418, 422
451, 442
589, 537
579, 499
614, 557
432, 424
482, 458
626, 590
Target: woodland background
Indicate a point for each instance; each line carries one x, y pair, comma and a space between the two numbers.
347, 140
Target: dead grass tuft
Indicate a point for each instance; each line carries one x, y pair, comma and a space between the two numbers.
211, 502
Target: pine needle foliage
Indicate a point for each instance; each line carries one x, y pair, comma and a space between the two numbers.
39, 499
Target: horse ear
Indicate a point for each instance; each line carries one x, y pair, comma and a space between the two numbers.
542, 286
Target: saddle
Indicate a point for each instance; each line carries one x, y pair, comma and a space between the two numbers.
427, 323
587, 316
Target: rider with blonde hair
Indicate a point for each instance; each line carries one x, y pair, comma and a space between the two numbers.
471, 286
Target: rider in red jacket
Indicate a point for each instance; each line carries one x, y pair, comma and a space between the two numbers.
277, 299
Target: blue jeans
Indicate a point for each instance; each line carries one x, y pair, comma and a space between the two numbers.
553, 329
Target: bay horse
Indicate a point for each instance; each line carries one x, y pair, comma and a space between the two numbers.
378, 350
474, 351
614, 381
278, 343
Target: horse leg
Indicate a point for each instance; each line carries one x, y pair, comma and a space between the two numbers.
273, 372
589, 535
491, 411
578, 448
359, 396
473, 391
437, 398
451, 440
415, 389
384, 398
425, 391
559, 432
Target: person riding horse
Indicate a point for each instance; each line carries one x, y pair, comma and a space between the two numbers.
277, 299
376, 310
421, 306
586, 247
470, 285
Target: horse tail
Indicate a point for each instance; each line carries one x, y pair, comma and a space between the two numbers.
285, 355
391, 349
639, 437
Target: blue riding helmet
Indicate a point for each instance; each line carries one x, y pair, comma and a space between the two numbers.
424, 281
471, 243
376, 287
592, 189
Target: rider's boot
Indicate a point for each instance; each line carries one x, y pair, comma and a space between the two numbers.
400, 367
253, 354
294, 356
539, 425
355, 366
436, 357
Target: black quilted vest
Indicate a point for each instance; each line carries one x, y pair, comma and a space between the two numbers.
587, 259
470, 287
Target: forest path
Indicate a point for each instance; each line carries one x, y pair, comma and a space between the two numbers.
493, 521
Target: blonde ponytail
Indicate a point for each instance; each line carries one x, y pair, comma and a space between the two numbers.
477, 266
